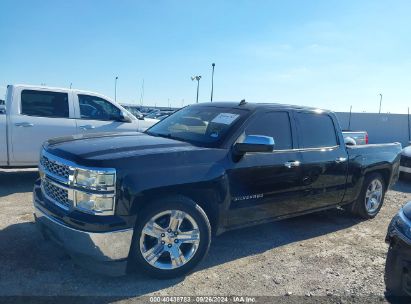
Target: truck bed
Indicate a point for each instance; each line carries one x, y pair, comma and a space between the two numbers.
392, 148
374, 156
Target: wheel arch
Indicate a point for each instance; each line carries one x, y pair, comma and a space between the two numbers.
208, 198
384, 172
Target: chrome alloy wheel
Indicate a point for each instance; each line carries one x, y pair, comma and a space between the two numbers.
373, 196
169, 239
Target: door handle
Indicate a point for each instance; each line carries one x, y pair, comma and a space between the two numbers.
24, 124
340, 160
292, 164
87, 127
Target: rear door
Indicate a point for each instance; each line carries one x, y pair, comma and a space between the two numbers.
40, 115
263, 185
97, 114
324, 159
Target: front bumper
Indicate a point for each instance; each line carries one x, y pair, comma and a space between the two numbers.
398, 263
87, 248
103, 246
398, 268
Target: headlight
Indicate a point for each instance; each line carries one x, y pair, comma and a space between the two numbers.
94, 203
100, 199
96, 180
402, 224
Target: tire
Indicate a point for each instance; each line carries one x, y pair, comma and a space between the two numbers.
164, 248
393, 273
368, 209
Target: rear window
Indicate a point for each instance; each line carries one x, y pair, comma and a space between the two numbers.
315, 130
44, 104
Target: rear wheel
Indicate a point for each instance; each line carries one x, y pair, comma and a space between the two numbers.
171, 238
371, 198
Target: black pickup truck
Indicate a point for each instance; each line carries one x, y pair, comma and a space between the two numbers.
152, 200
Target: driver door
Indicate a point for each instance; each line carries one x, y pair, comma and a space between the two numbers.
96, 114
264, 185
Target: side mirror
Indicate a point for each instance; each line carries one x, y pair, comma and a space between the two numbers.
140, 117
254, 143
124, 117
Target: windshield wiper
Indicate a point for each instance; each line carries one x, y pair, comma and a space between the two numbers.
167, 135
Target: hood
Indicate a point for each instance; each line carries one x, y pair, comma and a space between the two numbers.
92, 149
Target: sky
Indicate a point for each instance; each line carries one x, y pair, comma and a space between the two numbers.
329, 54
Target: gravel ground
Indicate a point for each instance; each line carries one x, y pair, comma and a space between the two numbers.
326, 254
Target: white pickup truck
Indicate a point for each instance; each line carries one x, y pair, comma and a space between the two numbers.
34, 114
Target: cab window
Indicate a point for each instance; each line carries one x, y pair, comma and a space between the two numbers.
96, 108
44, 104
273, 124
315, 130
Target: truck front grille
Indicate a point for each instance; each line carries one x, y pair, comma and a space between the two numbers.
59, 186
55, 168
57, 194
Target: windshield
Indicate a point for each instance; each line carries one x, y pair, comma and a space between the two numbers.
200, 125
132, 110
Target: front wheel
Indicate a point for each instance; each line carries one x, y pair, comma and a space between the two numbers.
170, 238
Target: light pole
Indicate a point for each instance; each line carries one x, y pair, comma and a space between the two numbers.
212, 81
409, 134
198, 84
142, 93
115, 88
380, 103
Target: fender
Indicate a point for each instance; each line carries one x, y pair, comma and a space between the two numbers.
204, 181
363, 162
